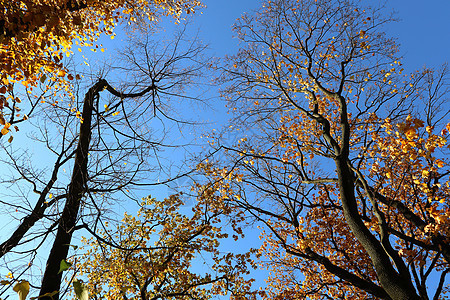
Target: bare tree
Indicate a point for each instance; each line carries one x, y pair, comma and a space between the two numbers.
110, 139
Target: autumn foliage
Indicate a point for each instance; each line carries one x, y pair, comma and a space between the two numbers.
341, 157
334, 152
166, 252
36, 35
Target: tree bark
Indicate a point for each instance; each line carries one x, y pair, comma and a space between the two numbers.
398, 287
52, 279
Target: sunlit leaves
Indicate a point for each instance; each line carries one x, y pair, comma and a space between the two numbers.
36, 35
22, 288
157, 248
317, 89
80, 289
64, 266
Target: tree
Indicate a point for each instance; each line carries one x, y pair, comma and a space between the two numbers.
110, 140
35, 36
342, 157
152, 255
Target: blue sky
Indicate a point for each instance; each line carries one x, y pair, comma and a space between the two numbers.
423, 29
423, 32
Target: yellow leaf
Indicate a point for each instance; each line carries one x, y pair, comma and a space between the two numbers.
22, 288
439, 163
81, 291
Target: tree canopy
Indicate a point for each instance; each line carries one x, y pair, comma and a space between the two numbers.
336, 154
157, 253
342, 156
35, 37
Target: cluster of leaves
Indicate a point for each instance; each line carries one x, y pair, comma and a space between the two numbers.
410, 189
36, 35
156, 255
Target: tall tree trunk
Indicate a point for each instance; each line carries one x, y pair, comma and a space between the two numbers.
52, 279
398, 287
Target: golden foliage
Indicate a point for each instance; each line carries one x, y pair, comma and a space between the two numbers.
35, 35
342, 157
160, 251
